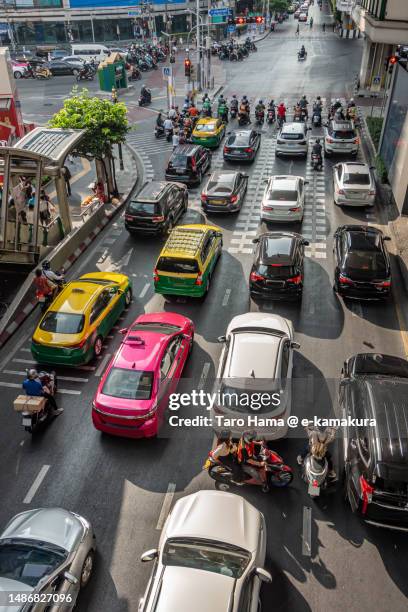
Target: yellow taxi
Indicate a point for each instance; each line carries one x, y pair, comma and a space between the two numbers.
72, 330
209, 132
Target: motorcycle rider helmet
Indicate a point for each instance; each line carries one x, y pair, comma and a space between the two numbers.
338, 101
260, 102
46, 265
32, 374
317, 140
234, 97
249, 436
224, 436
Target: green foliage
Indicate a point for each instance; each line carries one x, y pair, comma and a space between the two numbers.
381, 169
374, 125
105, 123
278, 6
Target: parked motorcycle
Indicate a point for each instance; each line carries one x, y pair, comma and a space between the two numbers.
277, 473
32, 421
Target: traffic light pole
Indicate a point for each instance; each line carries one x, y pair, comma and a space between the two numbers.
198, 47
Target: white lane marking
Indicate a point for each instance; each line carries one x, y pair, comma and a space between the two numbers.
124, 261
36, 484
69, 392
307, 532
168, 498
87, 368
204, 374
68, 378
13, 352
226, 297
102, 365
144, 290
19, 386
12, 385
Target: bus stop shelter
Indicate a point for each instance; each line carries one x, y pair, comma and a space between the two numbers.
41, 152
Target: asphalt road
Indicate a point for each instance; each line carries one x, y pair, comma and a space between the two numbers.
121, 484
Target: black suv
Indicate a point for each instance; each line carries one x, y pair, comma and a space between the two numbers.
374, 391
188, 164
156, 208
277, 270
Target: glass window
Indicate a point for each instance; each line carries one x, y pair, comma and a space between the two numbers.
344, 134
283, 194
28, 562
128, 384
285, 363
172, 264
357, 262
356, 179
62, 323
205, 127
277, 272
166, 364
143, 208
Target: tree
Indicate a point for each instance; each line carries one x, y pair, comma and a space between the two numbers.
105, 124
278, 6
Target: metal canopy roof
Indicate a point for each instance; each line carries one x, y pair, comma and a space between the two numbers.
50, 144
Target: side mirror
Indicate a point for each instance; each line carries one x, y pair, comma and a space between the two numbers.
386, 238
222, 338
149, 555
245, 176
123, 331
263, 575
255, 241
305, 182
305, 242
71, 578
295, 345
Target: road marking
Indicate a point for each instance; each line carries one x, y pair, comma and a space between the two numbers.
226, 297
68, 378
102, 365
32, 362
168, 498
144, 290
14, 351
36, 484
69, 392
307, 532
402, 324
204, 374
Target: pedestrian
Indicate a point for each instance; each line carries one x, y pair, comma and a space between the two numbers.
46, 208
176, 138
334, 26
297, 30
324, 27
67, 177
311, 22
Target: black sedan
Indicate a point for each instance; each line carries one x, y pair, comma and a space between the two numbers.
242, 145
277, 270
224, 192
60, 68
362, 264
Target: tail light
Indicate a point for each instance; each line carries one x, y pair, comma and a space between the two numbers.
344, 280
158, 219
315, 483
386, 283
199, 280
249, 150
227, 150
155, 275
80, 344
341, 192
204, 197
371, 192
356, 141
129, 218
329, 140
366, 494
295, 209
255, 277
295, 280
233, 199
267, 207
193, 164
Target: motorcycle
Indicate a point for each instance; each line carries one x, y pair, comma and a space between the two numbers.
233, 112
85, 74
271, 117
42, 73
32, 421
280, 121
145, 100
260, 117
315, 472
233, 56
317, 119
135, 75
159, 131
169, 134
302, 56
317, 161
243, 119
276, 472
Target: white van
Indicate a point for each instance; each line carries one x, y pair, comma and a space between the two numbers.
87, 52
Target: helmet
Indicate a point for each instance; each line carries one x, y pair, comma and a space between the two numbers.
303, 97
224, 436
46, 264
249, 436
317, 140
351, 100
234, 96
260, 102
32, 374
244, 97
318, 98
338, 100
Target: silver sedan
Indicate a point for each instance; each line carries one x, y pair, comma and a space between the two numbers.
46, 554
353, 184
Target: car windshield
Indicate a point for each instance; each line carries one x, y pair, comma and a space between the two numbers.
173, 264
283, 194
276, 272
144, 208
356, 179
161, 328
220, 186
29, 562
206, 556
178, 160
62, 322
238, 140
370, 262
291, 136
205, 127
128, 384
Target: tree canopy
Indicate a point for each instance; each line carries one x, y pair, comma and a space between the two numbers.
105, 123
278, 6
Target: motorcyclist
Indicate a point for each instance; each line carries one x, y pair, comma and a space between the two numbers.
351, 110
226, 453
42, 284
222, 110
159, 120
282, 111
303, 103
297, 112
234, 103
145, 94
50, 275
317, 446
260, 107
168, 124
317, 148
247, 453
32, 385
317, 106
339, 114
302, 51
172, 113
193, 110
271, 106
207, 109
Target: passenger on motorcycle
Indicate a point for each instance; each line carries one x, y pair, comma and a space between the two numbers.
260, 107
247, 456
303, 103
317, 446
226, 453
234, 103
159, 120
32, 385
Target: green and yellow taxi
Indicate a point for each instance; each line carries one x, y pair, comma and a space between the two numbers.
72, 330
209, 132
187, 260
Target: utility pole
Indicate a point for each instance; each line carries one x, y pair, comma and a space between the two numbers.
198, 48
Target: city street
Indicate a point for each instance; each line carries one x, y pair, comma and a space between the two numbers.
321, 559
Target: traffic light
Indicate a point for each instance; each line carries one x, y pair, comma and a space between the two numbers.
259, 19
187, 67
240, 20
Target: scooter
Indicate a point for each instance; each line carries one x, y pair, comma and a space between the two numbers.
145, 100
42, 73
85, 75
260, 117
315, 474
277, 473
135, 75
233, 112
32, 421
169, 134
301, 57
270, 117
159, 131
317, 162
243, 119
317, 119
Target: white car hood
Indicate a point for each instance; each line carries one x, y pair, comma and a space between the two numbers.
269, 321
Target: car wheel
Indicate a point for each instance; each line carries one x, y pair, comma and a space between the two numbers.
98, 346
87, 568
17, 75
128, 297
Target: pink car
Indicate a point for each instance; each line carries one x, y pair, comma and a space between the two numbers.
133, 394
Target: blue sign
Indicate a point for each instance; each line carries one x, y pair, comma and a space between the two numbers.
117, 3
231, 28
219, 12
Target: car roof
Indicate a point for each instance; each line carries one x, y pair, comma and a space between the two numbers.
205, 120
285, 182
362, 240
252, 354
356, 168
208, 590
294, 128
140, 350
151, 191
215, 515
277, 248
186, 149
76, 297
262, 321
186, 240
342, 125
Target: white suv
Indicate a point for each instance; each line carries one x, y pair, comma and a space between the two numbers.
292, 139
341, 137
284, 199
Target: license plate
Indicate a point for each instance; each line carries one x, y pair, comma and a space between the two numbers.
314, 491
26, 422
277, 284
179, 171
216, 201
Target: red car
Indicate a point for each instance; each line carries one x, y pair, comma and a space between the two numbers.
133, 393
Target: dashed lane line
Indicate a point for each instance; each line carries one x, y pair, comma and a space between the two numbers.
165, 509
36, 484
102, 364
66, 378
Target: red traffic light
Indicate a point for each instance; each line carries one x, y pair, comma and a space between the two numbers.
240, 20
393, 59
187, 67
259, 19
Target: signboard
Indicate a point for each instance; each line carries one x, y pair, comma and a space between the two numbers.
135, 13
220, 12
167, 72
345, 6
231, 28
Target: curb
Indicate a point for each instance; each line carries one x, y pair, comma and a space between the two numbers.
30, 304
